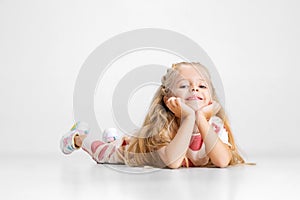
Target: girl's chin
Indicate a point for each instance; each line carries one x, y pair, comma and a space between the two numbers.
195, 105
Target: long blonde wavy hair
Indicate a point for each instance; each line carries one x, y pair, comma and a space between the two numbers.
160, 125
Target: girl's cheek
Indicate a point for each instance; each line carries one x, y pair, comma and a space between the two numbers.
184, 93
177, 93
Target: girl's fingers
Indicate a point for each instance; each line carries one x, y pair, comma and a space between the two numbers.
177, 101
172, 102
217, 107
169, 105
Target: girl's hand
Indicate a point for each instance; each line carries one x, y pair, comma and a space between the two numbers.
179, 108
209, 110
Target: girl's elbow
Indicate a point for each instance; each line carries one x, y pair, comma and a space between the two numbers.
174, 165
222, 163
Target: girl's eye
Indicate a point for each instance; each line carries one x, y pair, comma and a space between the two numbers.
184, 86
202, 86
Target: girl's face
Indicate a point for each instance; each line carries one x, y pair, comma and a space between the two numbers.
191, 86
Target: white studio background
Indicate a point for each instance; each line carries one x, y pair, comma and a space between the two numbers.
253, 44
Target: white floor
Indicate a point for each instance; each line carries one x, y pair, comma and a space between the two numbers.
78, 177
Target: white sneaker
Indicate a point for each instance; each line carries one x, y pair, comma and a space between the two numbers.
67, 144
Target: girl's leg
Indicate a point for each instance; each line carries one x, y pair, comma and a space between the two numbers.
102, 152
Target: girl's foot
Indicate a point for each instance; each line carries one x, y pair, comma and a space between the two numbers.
102, 152
72, 140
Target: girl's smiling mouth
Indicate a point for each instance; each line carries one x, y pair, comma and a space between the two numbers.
194, 98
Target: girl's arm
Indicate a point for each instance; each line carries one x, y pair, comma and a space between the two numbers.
175, 151
216, 150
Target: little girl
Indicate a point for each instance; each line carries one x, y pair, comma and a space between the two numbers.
186, 126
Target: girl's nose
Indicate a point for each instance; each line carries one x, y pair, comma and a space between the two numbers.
195, 89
